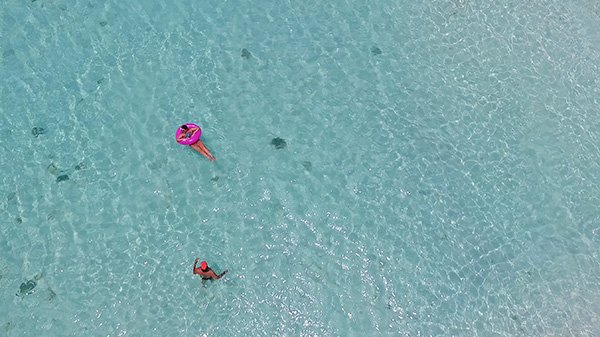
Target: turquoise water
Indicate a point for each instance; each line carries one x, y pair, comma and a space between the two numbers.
440, 175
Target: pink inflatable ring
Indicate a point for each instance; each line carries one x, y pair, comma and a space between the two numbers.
190, 140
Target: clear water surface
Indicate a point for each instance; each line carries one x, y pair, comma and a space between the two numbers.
440, 175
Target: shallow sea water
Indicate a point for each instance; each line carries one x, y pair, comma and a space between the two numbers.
440, 176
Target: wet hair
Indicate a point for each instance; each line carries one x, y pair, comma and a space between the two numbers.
184, 127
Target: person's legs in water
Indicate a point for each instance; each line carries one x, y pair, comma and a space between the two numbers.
200, 147
205, 151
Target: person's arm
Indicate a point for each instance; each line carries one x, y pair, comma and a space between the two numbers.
211, 273
223, 273
195, 263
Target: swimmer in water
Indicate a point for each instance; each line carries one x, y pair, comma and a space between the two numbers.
198, 146
205, 272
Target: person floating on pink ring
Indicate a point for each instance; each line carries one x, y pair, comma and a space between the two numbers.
189, 134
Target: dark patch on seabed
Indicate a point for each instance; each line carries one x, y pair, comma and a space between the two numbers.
376, 51
51, 295
27, 287
36, 131
278, 143
7, 326
307, 165
246, 54
63, 175
8, 52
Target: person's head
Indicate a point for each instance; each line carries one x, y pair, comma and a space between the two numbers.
203, 265
184, 128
